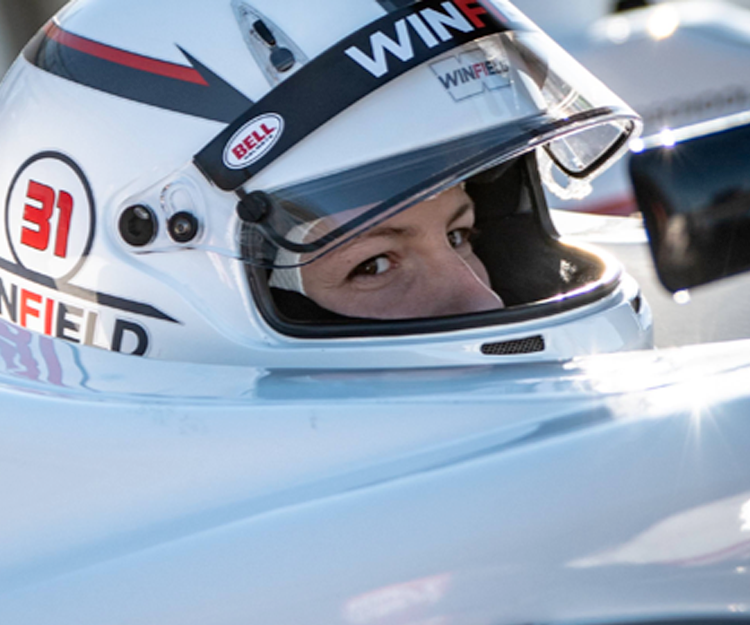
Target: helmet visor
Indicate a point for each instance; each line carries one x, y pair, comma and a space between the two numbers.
504, 95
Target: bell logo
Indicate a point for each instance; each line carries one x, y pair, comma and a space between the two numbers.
253, 141
432, 26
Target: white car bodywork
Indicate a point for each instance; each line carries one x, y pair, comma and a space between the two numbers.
604, 489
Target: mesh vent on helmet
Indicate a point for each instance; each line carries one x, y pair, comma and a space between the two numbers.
528, 345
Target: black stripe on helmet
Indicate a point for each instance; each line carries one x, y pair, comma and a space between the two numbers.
192, 89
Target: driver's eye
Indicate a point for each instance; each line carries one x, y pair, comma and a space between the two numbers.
371, 267
461, 236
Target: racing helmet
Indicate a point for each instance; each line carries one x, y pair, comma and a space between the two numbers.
165, 163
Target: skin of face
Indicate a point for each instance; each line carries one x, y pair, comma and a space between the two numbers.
418, 263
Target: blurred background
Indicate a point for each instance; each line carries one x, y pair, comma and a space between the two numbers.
676, 62
19, 20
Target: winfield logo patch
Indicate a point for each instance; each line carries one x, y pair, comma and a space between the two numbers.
469, 74
253, 141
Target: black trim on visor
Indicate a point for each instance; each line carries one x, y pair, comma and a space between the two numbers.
336, 79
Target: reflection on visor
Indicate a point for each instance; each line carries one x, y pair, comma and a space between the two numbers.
582, 153
345, 204
533, 95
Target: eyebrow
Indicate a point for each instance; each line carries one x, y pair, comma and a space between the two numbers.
391, 231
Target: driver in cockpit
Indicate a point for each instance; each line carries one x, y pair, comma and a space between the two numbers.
419, 263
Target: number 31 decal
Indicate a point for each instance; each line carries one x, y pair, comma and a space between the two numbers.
40, 217
50, 216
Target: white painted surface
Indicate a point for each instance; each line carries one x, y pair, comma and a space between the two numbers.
598, 489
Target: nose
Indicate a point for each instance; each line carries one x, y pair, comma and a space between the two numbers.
458, 288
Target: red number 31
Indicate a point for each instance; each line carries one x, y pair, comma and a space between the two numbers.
40, 217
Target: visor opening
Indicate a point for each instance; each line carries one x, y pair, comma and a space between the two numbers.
534, 273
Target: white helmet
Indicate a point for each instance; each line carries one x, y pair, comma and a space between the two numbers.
159, 159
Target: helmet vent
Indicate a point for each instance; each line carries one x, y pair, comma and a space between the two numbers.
528, 345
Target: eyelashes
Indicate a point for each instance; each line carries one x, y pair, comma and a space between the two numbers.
382, 263
462, 236
374, 266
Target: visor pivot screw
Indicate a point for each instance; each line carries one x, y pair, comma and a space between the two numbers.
254, 207
183, 227
281, 58
137, 225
